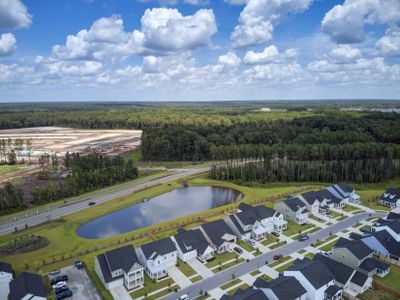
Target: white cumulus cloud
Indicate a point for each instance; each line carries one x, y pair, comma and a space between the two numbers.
345, 23
345, 53
270, 54
389, 45
14, 14
8, 44
229, 60
259, 17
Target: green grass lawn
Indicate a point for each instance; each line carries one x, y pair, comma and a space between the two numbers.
284, 267
7, 169
376, 295
230, 284
334, 214
277, 245
315, 218
221, 258
373, 204
150, 286
328, 246
310, 255
255, 273
269, 240
246, 246
228, 265
278, 262
294, 228
196, 278
329, 238
186, 269
392, 279
349, 208
242, 287
265, 277
342, 218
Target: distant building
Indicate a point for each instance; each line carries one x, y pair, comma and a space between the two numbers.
383, 244
344, 191
255, 222
391, 226
192, 244
6, 275
27, 286
293, 209
157, 257
219, 235
390, 198
119, 267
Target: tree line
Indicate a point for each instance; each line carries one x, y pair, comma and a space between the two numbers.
362, 163
85, 173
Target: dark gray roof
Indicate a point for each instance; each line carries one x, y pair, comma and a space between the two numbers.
341, 272
247, 217
310, 197
246, 294
260, 211
237, 225
325, 194
345, 187
395, 226
159, 247
387, 241
105, 270
371, 264
216, 230
294, 203
191, 240
391, 195
5, 267
355, 236
393, 216
359, 278
314, 271
284, 287
357, 247
121, 258
332, 290
27, 283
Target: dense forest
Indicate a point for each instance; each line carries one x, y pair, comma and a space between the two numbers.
85, 173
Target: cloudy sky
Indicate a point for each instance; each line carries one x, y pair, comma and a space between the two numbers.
91, 50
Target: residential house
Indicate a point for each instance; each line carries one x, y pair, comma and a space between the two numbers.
346, 278
283, 287
358, 255
219, 235
192, 244
390, 198
393, 216
311, 201
6, 275
315, 277
157, 257
360, 282
344, 191
119, 267
293, 209
330, 199
249, 293
255, 222
27, 286
351, 253
383, 244
391, 226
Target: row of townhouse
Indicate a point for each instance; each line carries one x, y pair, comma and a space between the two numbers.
126, 266
25, 286
390, 198
297, 209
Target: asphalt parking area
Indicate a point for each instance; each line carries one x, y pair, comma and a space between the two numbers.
79, 283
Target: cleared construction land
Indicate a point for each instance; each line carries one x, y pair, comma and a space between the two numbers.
60, 140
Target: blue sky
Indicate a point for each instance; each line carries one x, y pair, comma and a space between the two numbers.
129, 50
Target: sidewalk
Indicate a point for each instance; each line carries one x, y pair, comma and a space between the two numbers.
179, 278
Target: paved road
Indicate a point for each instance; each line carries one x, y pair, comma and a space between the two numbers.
255, 263
75, 207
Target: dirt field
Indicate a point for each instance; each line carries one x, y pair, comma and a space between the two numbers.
60, 140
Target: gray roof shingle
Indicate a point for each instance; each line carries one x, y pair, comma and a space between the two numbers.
159, 247
341, 272
121, 258
315, 272
191, 240
26, 283
294, 203
5, 267
216, 230
359, 278
284, 287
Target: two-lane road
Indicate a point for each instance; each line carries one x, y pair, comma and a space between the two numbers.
246, 267
78, 206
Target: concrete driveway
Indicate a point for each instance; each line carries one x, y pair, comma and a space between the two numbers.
120, 293
200, 268
244, 268
179, 278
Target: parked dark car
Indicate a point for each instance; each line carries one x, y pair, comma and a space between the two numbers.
61, 289
238, 250
79, 264
303, 237
58, 279
64, 294
275, 233
278, 256
91, 203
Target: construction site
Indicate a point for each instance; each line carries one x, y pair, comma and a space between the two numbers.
58, 141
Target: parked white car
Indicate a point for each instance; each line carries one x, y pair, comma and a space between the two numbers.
60, 284
184, 297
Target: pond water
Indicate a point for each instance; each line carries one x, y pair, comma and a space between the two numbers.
177, 203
